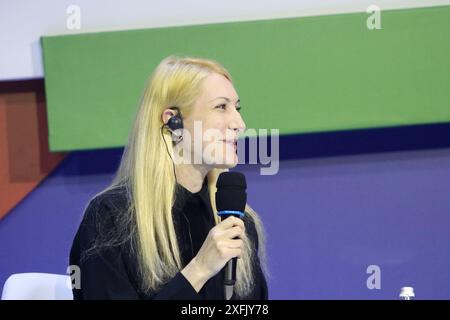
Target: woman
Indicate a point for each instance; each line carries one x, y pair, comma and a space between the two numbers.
154, 232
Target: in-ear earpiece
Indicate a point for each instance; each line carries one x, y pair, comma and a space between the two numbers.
174, 124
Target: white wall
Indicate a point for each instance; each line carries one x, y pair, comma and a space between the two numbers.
23, 22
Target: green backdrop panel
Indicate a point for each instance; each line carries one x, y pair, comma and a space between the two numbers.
309, 74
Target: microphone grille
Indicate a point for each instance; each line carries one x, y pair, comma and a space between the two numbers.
231, 193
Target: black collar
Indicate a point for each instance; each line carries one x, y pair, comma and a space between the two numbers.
182, 195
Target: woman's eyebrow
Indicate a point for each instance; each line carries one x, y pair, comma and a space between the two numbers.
227, 99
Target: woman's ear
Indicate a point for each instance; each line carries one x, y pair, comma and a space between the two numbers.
167, 114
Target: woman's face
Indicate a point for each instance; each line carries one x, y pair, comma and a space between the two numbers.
214, 124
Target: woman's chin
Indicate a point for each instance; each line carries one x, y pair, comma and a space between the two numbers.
226, 163
226, 166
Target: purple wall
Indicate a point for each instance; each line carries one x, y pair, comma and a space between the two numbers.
327, 219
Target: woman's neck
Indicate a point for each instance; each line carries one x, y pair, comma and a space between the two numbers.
190, 176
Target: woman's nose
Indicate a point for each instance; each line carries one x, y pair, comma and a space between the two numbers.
237, 123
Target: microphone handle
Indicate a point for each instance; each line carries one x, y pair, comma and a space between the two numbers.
230, 272
231, 266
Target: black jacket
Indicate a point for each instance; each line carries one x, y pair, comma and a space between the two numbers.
112, 272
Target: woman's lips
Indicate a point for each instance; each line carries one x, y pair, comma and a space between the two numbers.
231, 142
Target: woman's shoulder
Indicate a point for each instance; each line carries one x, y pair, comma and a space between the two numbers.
105, 210
102, 246
103, 221
115, 198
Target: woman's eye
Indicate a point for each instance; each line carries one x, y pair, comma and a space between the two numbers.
222, 106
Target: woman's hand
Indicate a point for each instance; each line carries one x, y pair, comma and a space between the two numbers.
219, 247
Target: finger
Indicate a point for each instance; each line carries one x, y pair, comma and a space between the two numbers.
236, 244
235, 253
231, 222
234, 232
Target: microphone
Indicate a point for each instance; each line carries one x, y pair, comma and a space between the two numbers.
230, 201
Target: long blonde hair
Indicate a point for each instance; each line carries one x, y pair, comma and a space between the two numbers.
146, 170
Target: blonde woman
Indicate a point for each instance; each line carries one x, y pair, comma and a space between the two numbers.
154, 232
